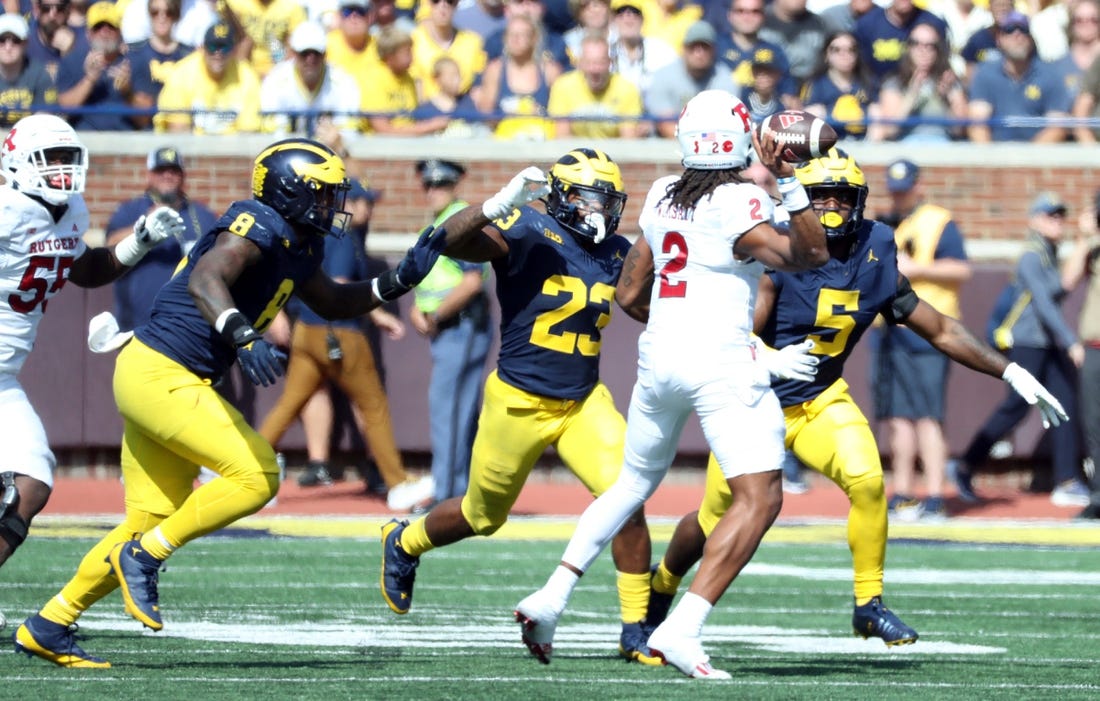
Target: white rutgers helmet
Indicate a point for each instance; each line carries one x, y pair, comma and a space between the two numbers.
27, 152
715, 131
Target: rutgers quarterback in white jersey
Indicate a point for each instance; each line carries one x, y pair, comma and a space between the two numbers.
692, 276
41, 249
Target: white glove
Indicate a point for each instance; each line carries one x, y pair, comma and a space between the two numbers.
1024, 384
790, 362
527, 186
103, 334
149, 230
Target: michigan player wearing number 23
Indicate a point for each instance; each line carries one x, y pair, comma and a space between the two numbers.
555, 281
210, 314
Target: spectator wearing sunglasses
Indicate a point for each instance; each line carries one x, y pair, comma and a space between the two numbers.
152, 60
23, 82
211, 91
50, 37
351, 46
1017, 84
97, 85
193, 18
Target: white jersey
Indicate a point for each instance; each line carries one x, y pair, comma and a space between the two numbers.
703, 297
35, 256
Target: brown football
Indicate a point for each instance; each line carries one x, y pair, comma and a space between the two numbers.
806, 135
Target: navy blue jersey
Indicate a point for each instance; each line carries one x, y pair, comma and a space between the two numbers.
833, 305
555, 299
178, 329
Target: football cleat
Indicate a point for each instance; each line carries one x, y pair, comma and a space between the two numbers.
959, 473
138, 573
398, 568
874, 619
633, 647
55, 643
659, 604
537, 620
685, 654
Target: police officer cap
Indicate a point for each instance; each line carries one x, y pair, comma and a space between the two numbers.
439, 172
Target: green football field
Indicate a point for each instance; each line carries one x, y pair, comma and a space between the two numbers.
291, 610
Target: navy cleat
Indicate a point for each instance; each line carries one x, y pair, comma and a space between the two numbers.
959, 473
138, 573
633, 644
55, 643
874, 619
659, 604
398, 568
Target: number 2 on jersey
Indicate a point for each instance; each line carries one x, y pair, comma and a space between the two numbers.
673, 241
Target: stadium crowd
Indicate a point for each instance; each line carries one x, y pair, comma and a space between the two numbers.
895, 70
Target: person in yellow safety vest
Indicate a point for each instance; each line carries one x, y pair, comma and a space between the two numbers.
910, 376
452, 310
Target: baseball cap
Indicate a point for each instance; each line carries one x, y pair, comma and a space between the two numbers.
365, 4
103, 13
219, 36
361, 190
764, 58
13, 23
1014, 20
700, 33
164, 157
308, 36
1047, 203
618, 5
439, 172
901, 176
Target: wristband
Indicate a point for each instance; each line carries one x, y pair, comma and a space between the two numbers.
129, 251
795, 198
787, 180
387, 286
235, 328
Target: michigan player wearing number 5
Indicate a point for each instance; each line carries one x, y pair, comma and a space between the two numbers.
210, 314
41, 249
555, 281
832, 307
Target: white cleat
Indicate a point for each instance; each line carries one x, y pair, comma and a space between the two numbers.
538, 620
685, 654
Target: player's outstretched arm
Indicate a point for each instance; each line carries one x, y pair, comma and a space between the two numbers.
468, 237
632, 293
100, 266
954, 340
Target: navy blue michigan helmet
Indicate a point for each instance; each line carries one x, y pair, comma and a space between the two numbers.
583, 182
836, 174
304, 181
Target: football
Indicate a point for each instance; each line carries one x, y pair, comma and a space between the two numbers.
806, 135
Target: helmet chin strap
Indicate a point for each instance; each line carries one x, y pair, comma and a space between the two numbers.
596, 221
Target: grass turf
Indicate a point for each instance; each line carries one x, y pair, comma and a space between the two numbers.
301, 618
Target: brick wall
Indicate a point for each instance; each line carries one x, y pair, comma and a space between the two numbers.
988, 188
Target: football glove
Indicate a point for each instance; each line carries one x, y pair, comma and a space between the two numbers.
420, 259
262, 362
161, 223
527, 186
1024, 384
792, 362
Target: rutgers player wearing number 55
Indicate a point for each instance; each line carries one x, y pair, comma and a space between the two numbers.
41, 248
210, 314
707, 238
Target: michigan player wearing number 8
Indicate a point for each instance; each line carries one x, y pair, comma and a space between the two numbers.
555, 281
212, 312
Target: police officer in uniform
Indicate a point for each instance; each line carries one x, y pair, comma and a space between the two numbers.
452, 311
